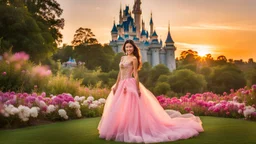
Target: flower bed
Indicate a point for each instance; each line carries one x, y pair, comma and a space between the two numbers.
22, 107
239, 104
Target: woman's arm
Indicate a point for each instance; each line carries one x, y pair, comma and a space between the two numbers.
135, 73
118, 79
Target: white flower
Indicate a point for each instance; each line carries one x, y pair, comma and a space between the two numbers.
78, 113
96, 102
74, 105
24, 112
79, 99
11, 110
50, 109
248, 110
93, 106
90, 98
85, 103
240, 111
63, 113
102, 100
14, 111
34, 111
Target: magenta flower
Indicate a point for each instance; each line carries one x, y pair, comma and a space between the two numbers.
4, 73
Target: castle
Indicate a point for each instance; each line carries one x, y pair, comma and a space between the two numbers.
152, 50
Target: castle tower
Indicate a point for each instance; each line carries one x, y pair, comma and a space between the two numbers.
170, 49
137, 16
114, 32
155, 47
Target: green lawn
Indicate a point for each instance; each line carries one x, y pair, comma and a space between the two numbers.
83, 131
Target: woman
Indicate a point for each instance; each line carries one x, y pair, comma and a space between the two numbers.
133, 114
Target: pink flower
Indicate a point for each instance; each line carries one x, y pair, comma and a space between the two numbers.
4, 73
254, 87
41, 71
19, 56
227, 113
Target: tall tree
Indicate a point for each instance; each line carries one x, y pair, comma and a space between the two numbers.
31, 26
84, 36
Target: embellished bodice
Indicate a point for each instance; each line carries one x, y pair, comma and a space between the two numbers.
126, 69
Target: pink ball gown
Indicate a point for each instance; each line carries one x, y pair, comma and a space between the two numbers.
133, 119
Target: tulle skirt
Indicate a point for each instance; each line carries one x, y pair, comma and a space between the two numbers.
133, 119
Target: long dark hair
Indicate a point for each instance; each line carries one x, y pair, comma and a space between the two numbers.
136, 52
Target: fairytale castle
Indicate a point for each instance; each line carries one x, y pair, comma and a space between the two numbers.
152, 50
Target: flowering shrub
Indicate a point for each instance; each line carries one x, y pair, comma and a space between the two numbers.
19, 74
23, 107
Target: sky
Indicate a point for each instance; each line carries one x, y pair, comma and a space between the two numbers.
218, 27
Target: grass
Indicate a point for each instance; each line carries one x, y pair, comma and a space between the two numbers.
83, 131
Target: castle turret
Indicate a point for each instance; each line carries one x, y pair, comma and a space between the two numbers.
137, 16
155, 47
114, 32
170, 51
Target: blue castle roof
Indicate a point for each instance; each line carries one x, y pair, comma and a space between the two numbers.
155, 41
151, 21
154, 34
169, 38
120, 38
143, 33
146, 43
114, 29
136, 39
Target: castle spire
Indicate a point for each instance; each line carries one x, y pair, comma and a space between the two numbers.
120, 15
151, 25
169, 39
137, 16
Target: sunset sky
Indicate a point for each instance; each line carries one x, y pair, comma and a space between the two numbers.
219, 27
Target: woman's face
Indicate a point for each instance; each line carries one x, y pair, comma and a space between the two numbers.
129, 49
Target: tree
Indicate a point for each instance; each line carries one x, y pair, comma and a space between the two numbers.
221, 60
225, 78
116, 61
84, 36
31, 26
155, 73
94, 56
48, 12
189, 56
183, 81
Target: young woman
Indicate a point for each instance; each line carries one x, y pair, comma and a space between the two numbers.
133, 114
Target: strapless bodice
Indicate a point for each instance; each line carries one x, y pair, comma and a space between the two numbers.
126, 69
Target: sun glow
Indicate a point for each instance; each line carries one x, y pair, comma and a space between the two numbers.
203, 49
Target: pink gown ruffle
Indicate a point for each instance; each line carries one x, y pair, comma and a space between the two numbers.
133, 119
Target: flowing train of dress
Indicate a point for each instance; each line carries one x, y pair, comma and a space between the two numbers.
130, 118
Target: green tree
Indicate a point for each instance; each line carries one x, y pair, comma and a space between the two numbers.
183, 81
161, 88
116, 61
94, 56
31, 27
225, 78
84, 36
